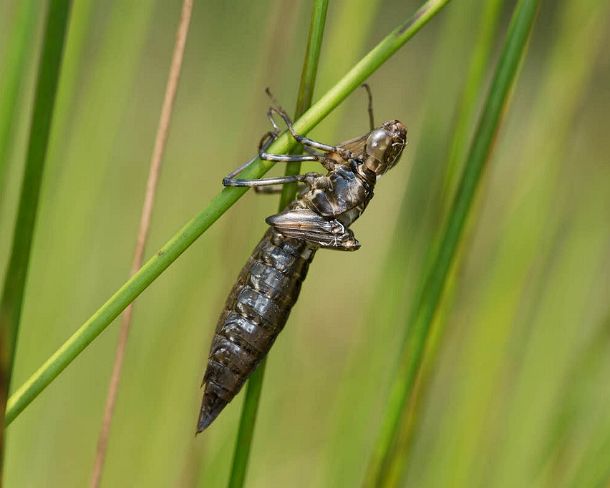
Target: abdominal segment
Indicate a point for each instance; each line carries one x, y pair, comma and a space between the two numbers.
255, 313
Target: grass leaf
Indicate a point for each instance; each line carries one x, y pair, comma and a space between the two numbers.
16, 276
423, 316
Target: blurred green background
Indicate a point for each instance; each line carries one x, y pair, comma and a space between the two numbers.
518, 392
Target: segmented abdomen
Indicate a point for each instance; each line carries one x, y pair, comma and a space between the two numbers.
255, 313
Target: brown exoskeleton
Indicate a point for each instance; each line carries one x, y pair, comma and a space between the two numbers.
268, 286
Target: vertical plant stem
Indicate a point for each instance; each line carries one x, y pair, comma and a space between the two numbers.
306, 86
255, 383
13, 78
364, 14
40, 128
423, 315
143, 232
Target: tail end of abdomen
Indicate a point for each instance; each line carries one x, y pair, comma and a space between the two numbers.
211, 406
255, 313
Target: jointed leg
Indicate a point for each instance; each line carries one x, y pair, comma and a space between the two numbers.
344, 153
370, 106
266, 141
277, 109
274, 190
281, 180
276, 131
307, 178
271, 136
287, 158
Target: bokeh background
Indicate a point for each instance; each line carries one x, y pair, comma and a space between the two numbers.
517, 393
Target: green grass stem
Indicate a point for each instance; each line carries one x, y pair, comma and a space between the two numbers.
460, 136
364, 14
13, 78
16, 275
424, 313
473, 87
254, 388
193, 229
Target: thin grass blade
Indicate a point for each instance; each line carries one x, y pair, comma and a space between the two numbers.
473, 87
23, 236
13, 78
421, 320
465, 119
143, 234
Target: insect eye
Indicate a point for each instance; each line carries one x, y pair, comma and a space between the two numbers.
377, 143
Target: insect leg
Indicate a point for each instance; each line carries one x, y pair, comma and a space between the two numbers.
266, 141
344, 153
370, 105
277, 109
276, 131
307, 178
274, 190
287, 158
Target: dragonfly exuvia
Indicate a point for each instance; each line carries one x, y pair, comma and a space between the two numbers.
319, 218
